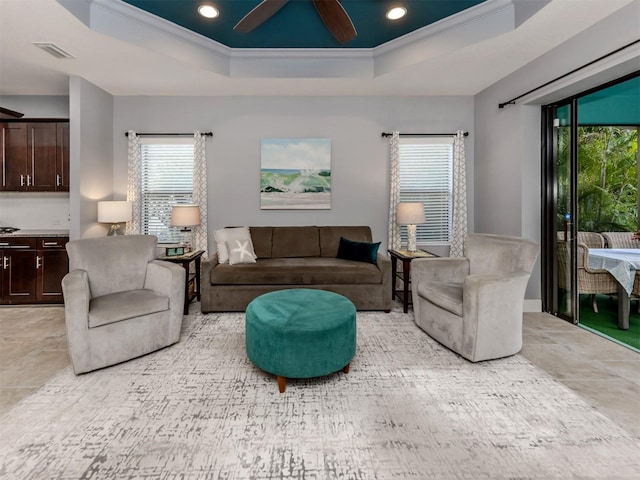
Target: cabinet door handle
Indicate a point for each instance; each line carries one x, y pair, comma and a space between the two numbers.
4, 244
29, 181
38, 261
50, 244
57, 180
5, 262
33, 155
4, 155
22, 180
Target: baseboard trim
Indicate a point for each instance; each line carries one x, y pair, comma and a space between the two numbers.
532, 306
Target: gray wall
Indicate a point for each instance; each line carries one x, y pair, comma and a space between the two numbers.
37, 106
508, 150
359, 163
91, 156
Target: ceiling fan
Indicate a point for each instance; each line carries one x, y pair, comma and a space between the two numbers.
331, 12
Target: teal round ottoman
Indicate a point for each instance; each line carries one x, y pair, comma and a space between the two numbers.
300, 333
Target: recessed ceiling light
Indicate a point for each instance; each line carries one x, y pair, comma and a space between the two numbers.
396, 12
208, 11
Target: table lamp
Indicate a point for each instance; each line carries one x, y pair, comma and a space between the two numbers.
410, 214
114, 212
185, 216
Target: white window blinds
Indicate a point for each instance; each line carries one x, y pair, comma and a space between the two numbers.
426, 175
167, 179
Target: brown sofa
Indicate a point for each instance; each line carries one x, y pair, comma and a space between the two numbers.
297, 257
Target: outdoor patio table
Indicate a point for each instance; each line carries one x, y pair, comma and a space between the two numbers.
622, 263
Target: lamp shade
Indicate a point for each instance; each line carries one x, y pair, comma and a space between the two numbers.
114, 211
185, 215
410, 213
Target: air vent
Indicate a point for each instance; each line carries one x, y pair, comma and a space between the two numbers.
53, 49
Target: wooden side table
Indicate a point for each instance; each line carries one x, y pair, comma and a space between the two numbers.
405, 256
190, 278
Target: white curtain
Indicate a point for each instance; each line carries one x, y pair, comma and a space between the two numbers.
393, 240
134, 187
459, 227
200, 235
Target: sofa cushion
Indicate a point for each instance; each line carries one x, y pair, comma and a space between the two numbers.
295, 242
115, 307
358, 251
261, 238
330, 237
297, 271
223, 235
446, 295
240, 251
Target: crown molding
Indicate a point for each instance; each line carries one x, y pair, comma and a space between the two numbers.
131, 24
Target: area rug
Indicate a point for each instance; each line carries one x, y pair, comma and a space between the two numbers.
408, 409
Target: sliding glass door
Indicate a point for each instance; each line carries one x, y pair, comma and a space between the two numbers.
560, 174
590, 182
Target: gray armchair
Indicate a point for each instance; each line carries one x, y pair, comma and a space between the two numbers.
119, 301
474, 304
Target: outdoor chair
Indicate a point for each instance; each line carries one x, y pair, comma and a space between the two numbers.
621, 240
591, 281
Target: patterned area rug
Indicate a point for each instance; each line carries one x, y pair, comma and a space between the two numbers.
409, 408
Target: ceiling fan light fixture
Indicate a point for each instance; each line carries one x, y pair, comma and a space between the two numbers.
396, 13
208, 11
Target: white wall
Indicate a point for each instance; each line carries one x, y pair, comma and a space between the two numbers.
359, 163
91, 156
508, 149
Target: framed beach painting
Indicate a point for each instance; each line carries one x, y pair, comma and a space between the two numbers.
295, 174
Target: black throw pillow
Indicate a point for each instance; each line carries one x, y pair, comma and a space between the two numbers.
358, 251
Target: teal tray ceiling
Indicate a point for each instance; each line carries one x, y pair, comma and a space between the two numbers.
298, 25
615, 105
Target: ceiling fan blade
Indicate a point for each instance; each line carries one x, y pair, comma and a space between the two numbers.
336, 19
260, 14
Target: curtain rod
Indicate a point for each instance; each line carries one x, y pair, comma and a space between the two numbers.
513, 100
386, 134
206, 134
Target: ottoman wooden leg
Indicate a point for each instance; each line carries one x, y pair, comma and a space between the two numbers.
282, 383
346, 368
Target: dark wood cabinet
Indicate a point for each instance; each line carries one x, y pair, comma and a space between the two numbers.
14, 156
35, 156
18, 270
32, 269
52, 264
41, 152
62, 157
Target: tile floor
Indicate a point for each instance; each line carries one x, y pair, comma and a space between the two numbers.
604, 374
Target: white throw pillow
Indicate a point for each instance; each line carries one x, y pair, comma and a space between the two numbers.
223, 235
240, 251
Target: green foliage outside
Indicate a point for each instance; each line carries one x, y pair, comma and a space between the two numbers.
607, 178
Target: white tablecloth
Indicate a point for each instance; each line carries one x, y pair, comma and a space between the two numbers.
622, 263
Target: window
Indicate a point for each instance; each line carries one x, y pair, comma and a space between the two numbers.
167, 179
426, 175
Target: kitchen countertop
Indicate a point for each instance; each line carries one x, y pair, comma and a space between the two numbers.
37, 233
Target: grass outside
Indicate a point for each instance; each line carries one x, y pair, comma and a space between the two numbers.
606, 321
